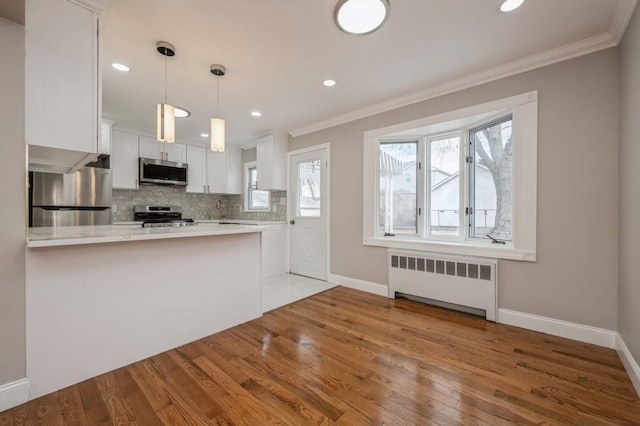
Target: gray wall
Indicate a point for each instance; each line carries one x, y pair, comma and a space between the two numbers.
12, 214
629, 192
575, 276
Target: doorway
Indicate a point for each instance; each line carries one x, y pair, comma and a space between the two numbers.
309, 212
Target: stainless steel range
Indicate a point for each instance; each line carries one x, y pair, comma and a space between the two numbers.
160, 216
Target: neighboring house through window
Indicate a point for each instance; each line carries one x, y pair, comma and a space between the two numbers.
461, 182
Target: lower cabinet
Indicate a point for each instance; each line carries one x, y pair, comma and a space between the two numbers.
274, 251
214, 172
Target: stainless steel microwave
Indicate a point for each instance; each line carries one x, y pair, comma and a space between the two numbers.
162, 172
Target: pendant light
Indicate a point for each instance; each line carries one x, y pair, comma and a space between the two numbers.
217, 123
360, 17
166, 130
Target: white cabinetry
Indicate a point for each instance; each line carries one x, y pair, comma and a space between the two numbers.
272, 161
223, 171
62, 74
105, 141
124, 160
197, 171
274, 250
151, 148
214, 172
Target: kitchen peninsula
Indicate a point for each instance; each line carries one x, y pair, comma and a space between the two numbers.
102, 297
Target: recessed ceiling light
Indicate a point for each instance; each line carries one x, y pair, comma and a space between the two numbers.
204, 135
509, 5
360, 17
329, 83
181, 112
256, 113
120, 67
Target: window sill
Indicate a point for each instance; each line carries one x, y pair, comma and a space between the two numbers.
478, 250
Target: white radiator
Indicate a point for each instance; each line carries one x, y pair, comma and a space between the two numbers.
458, 280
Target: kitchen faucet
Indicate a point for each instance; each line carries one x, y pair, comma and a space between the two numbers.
219, 208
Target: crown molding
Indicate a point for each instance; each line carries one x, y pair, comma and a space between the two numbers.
622, 15
621, 18
97, 6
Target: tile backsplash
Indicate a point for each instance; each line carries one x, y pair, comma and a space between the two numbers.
194, 206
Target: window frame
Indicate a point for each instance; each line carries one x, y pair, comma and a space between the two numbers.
246, 190
524, 111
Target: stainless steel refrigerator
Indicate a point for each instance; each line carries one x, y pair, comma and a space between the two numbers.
80, 198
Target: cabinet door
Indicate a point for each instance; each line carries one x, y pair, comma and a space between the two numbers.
105, 140
150, 148
224, 171
61, 76
176, 152
271, 162
197, 171
124, 160
234, 170
264, 161
217, 172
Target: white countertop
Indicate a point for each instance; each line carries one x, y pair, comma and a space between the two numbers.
245, 222
74, 235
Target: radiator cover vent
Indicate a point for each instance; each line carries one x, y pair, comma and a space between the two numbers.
458, 280
459, 269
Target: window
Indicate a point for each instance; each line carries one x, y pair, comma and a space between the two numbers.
255, 200
397, 193
449, 182
308, 202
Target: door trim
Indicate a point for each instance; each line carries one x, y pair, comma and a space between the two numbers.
290, 201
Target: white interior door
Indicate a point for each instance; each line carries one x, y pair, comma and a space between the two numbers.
308, 189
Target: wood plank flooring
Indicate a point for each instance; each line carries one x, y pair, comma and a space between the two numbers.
351, 358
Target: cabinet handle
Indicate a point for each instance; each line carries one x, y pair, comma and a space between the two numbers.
137, 187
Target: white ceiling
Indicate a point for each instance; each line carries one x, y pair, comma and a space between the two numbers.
277, 52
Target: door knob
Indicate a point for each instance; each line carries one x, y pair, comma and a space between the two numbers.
293, 222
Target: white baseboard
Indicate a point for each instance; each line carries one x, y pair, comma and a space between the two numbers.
367, 286
630, 364
13, 394
570, 330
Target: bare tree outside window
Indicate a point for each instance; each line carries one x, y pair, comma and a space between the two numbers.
492, 144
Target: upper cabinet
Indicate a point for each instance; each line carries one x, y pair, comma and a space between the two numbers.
151, 148
214, 172
62, 74
223, 171
197, 171
124, 160
271, 153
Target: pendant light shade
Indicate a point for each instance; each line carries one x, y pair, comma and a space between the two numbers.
217, 134
165, 119
217, 124
166, 123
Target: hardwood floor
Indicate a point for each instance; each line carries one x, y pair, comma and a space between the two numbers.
348, 357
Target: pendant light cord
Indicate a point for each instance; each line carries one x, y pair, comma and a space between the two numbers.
218, 96
165, 79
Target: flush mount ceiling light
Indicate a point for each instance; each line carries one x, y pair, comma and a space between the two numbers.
360, 17
217, 124
509, 5
165, 112
120, 67
329, 83
181, 112
256, 114
204, 135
